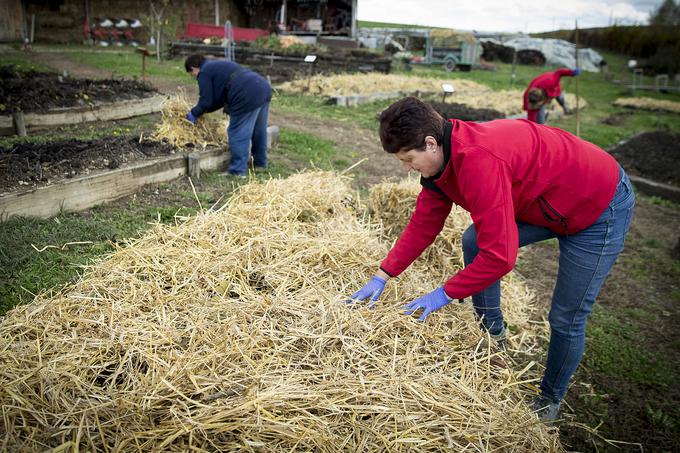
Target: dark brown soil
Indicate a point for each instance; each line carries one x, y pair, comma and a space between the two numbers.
30, 165
465, 113
618, 118
33, 91
651, 155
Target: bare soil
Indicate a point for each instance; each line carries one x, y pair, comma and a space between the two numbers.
465, 113
652, 155
29, 165
34, 91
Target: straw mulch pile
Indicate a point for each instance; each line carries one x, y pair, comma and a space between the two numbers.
472, 94
351, 84
649, 104
508, 102
229, 332
176, 129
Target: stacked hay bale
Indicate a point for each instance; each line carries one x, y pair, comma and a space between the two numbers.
230, 332
177, 130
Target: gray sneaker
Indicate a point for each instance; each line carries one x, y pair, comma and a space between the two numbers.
500, 339
547, 411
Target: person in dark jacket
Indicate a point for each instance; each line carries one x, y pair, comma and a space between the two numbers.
245, 97
521, 183
544, 89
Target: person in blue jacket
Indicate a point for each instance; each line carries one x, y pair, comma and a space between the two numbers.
245, 97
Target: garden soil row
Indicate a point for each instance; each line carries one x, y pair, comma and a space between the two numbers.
40, 92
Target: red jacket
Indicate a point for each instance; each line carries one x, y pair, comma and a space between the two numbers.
502, 172
548, 82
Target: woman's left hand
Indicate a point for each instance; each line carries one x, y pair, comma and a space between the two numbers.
429, 303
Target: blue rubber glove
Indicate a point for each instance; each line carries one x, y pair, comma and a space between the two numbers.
429, 302
192, 118
373, 289
575, 72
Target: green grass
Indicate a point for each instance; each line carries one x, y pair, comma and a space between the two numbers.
21, 65
126, 63
306, 150
613, 350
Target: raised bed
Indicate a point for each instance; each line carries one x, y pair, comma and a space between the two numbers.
31, 100
283, 67
84, 191
76, 115
87, 191
652, 160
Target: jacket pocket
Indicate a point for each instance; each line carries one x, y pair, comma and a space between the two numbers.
551, 214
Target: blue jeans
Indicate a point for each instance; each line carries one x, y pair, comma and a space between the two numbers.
244, 128
542, 113
585, 261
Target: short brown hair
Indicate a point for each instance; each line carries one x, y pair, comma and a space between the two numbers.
405, 124
194, 61
536, 97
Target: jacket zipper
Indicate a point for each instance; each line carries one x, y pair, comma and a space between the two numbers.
543, 205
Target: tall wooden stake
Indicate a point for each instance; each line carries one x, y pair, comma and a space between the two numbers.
578, 119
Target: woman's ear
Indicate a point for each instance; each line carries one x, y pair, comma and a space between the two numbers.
430, 143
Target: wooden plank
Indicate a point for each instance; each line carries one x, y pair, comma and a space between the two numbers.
85, 192
98, 112
6, 125
650, 187
19, 123
194, 166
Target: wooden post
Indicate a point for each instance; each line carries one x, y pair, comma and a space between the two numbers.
19, 123
194, 166
578, 119
145, 53
514, 64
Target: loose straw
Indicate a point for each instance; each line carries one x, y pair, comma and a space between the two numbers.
229, 331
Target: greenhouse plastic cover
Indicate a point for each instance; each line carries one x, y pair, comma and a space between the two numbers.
559, 52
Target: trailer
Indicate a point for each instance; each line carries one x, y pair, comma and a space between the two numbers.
453, 49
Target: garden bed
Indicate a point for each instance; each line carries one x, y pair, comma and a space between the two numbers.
37, 100
652, 159
32, 165
40, 92
465, 113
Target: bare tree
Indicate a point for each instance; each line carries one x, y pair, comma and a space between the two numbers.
158, 9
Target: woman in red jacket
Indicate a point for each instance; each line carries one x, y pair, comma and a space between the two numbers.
521, 183
542, 90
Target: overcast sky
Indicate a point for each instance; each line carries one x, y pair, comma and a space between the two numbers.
508, 15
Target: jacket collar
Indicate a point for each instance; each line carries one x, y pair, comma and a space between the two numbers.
446, 148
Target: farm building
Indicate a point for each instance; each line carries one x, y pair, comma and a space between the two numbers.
68, 21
